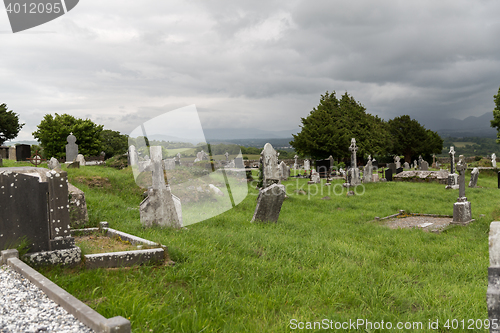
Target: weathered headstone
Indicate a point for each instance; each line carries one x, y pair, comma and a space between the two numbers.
178, 159
269, 203
474, 175
406, 166
452, 159
227, 156
53, 164
81, 159
270, 165
12, 153
434, 165
461, 209
169, 164
71, 148
494, 160
307, 165
397, 162
161, 207
424, 166
420, 160
315, 177
368, 171
23, 152
283, 171
295, 163
330, 170
238, 162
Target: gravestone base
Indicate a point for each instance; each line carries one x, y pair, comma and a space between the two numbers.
462, 212
66, 257
161, 208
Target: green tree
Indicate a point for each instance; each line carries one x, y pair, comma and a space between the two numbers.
409, 138
52, 134
113, 143
496, 115
9, 124
331, 125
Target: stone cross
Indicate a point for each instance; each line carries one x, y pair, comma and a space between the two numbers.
452, 158
71, 148
227, 156
353, 149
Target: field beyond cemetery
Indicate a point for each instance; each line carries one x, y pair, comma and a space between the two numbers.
323, 261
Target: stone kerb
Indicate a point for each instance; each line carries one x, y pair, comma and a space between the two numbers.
68, 302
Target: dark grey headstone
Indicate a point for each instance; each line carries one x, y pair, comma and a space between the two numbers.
398, 170
388, 175
1, 162
23, 152
392, 166
269, 204
323, 167
23, 211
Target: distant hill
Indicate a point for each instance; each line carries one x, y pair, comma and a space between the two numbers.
469, 127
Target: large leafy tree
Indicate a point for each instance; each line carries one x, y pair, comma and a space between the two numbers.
113, 143
409, 138
331, 125
53, 132
496, 114
9, 124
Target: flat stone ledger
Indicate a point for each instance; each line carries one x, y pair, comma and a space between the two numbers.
462, 213
269, 204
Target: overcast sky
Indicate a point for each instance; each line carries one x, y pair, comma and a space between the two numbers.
258, 64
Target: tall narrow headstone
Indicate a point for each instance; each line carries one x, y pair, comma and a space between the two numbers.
307, 165
494, 160
461, 209
368, 171
452, 159
474, 175
12, 153
270, 165
388, 175
71, 148
283, 171
434, 161
330, 170
133, 157
295, 164
227, 156
493, 291
354, 171
397, 160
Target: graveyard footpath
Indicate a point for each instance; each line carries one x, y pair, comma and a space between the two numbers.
323, 259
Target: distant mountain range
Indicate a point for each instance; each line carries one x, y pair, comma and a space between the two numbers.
469, 127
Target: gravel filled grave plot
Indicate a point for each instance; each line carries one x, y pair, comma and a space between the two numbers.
426, 223
25, 308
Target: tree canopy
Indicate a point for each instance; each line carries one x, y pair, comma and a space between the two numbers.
410, 138
331, 125
53, 132
496, 114
9, 124
113, 143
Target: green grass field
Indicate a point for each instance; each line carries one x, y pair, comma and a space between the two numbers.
323, 260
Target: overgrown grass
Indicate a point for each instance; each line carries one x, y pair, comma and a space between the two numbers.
324, 259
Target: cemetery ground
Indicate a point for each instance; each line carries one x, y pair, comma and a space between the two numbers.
324, 259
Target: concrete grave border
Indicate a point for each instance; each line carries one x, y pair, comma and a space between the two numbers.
402, 213
68, 302
123, 258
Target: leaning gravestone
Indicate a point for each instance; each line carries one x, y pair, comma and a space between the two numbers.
54, 164
474, 175
161, 207
270, 165
71, 148
81, 159
461, 209
269, 203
